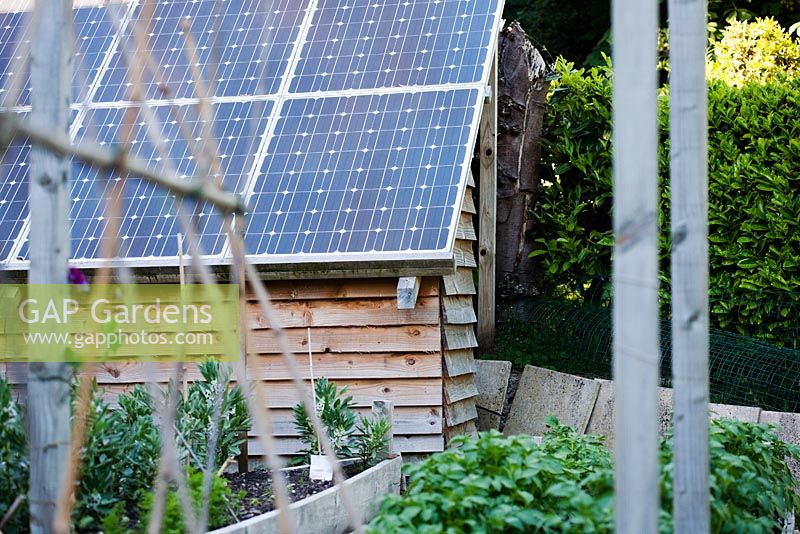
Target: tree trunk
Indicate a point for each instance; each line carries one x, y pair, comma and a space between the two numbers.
522, 94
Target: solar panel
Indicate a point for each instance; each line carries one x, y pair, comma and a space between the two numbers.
360, 44
13, 194
369, 173
94, 33
348, 125
148, 223
242, 48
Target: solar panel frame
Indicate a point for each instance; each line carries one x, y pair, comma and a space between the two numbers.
439, 259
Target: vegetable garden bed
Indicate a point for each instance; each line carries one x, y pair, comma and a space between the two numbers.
322, 512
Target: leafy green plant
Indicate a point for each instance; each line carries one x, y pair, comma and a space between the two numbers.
371, 445
119, 458
497, 483
754, 150
752, 488
196, 413
337, 415
221, 503
754, 52
14, 466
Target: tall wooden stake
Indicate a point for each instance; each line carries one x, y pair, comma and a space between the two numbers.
49, 383
635, 269
488, 216
689, 185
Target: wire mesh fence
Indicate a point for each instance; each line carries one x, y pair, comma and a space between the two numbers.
577, 337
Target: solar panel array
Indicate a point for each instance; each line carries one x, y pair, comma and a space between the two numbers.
347, 125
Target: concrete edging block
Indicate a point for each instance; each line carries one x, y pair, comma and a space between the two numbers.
543, 393
322, 513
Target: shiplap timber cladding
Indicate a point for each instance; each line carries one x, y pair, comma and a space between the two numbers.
358, 338
458, 329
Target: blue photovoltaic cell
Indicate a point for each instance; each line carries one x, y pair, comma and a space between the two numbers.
362, 174
357, 44
243, 46
13, 194
148, 226
94, 33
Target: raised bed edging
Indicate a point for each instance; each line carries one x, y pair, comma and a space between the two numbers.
323, 513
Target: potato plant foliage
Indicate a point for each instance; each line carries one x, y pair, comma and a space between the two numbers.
497, 484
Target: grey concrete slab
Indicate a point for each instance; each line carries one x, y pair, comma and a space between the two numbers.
602, 419
664, 410
491, 379
788, 430
543, 393
748, 414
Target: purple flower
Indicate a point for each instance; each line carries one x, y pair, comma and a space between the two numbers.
77, 277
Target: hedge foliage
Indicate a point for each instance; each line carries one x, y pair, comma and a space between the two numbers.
754, 205
758, 51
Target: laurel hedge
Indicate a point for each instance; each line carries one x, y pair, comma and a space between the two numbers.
754, 198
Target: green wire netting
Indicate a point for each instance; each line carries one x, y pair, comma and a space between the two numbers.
574, 337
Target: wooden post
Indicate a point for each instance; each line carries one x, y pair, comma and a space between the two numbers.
689, 190
407, 292
635, 269
488, 215
385, 409
49, 383
238, 275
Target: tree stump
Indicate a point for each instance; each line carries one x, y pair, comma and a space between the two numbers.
522, 95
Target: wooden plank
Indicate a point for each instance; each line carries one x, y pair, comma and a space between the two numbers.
635, 266
459, 283
470, 180
408, 420
488, 216
343, 289
351, 312
402, 444
459, 336
689, 226
410, 338
407, 291
458, 310
466, 228
465, 255
282, 394
465, 429
273, 367
459, 388
468, 206
460, 412
458, 362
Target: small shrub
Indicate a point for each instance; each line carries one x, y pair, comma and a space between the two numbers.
754, 52
220, 502
196, 413
337, 415
371, 445
13, 459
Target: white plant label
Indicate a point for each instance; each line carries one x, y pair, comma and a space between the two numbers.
321, 468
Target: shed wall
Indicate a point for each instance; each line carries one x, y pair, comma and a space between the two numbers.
358, 338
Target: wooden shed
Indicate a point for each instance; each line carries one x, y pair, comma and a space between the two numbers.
395, 317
